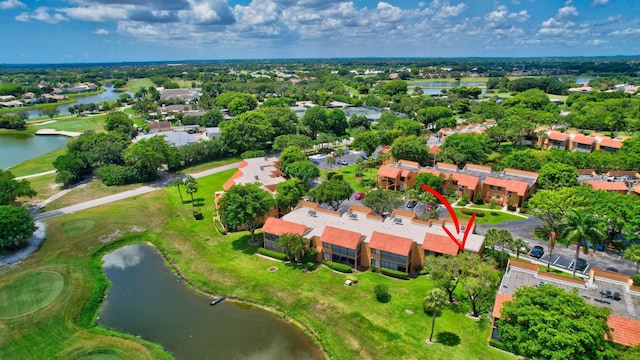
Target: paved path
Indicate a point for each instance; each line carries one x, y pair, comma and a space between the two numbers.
34, 244
58, 132
126, 194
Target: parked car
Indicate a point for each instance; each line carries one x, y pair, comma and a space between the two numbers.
411, 204
342, 162
359, 196
430, 207
537, 252
581, 265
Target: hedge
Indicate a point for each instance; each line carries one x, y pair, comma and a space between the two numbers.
338, 267
273, 254
498, 344
471, 212
394, 273
636, 280
253, 154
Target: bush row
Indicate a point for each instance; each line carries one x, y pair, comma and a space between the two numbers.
338, 267
471, 212
395, 273
112, 175
273, 254
253, 154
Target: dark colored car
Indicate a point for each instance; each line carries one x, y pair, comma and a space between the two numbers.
359, 196
537, 252
411, 204
581, 265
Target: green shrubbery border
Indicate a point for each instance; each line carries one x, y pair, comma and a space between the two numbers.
273, 254
338, 267
471, 212
395, 273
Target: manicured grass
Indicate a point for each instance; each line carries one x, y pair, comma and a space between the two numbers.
94, 189
45, 186
40, 164
29, 293
351, 323
209, 165
491, 217
75, 123
349, 174
134, 85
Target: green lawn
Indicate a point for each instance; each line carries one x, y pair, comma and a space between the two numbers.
37, 165
134, 85
349, 174
74, 123
349, 321
491, 217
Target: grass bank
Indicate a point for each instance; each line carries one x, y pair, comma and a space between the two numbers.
350, 322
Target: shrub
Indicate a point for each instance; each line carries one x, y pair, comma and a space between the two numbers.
358, 174
382, 293
273, 254
524, 210
394, 273
367, 182
512, 207
253, 154
477, 198
471, 212
636, 280
338, 267
338, 177
498, 344
424, 271
330, 175
310, 266
466, 198
198, 215
119, 175
463, 202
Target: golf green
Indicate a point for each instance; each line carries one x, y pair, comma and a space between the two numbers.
29, 293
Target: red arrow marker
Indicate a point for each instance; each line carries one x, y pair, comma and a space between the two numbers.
453, 215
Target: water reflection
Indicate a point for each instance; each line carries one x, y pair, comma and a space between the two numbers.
123, 258
146, 299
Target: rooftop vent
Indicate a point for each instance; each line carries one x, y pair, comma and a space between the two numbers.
312, 213
353, 216
256, 177
397, 220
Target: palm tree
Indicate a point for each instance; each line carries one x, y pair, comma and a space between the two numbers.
519, 245
293, 244
578, 226
435, 301
191, 185
499, 236
330, 161
339, 154
177, 182
633, 253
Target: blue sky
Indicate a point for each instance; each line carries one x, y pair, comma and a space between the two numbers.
62, 31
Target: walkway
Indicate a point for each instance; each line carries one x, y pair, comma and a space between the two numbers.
126, 194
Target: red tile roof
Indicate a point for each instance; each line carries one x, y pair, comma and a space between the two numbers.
469, 181
607, 185
475, 167
278, 227
523, 173
518, 187
390, 243
497, 305
558, 136
405, 173
447, 166
434, 149
229, 183
624, 331
388, 171
341, 237
611, 143
581, 139
440, 244
409, 163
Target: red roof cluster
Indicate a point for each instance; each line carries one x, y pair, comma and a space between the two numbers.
608, 185
340, 237
440, 244
518, 187
278, 227
558, 136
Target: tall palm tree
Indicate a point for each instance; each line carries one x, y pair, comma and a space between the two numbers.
177, 182
436, 300
579, 225
633, 253
330, 161
519, 245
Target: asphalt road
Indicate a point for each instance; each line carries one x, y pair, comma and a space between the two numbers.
524, 229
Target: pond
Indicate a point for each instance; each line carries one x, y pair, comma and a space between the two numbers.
16, 148
146, 299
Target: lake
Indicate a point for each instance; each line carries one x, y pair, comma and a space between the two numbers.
146, 299
109, 94
16, 148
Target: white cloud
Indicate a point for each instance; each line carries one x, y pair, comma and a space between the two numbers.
41, 14
597, 42
626, 32
502, 19
11, 4
99, 13
100, 31
567, 11
599, 2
